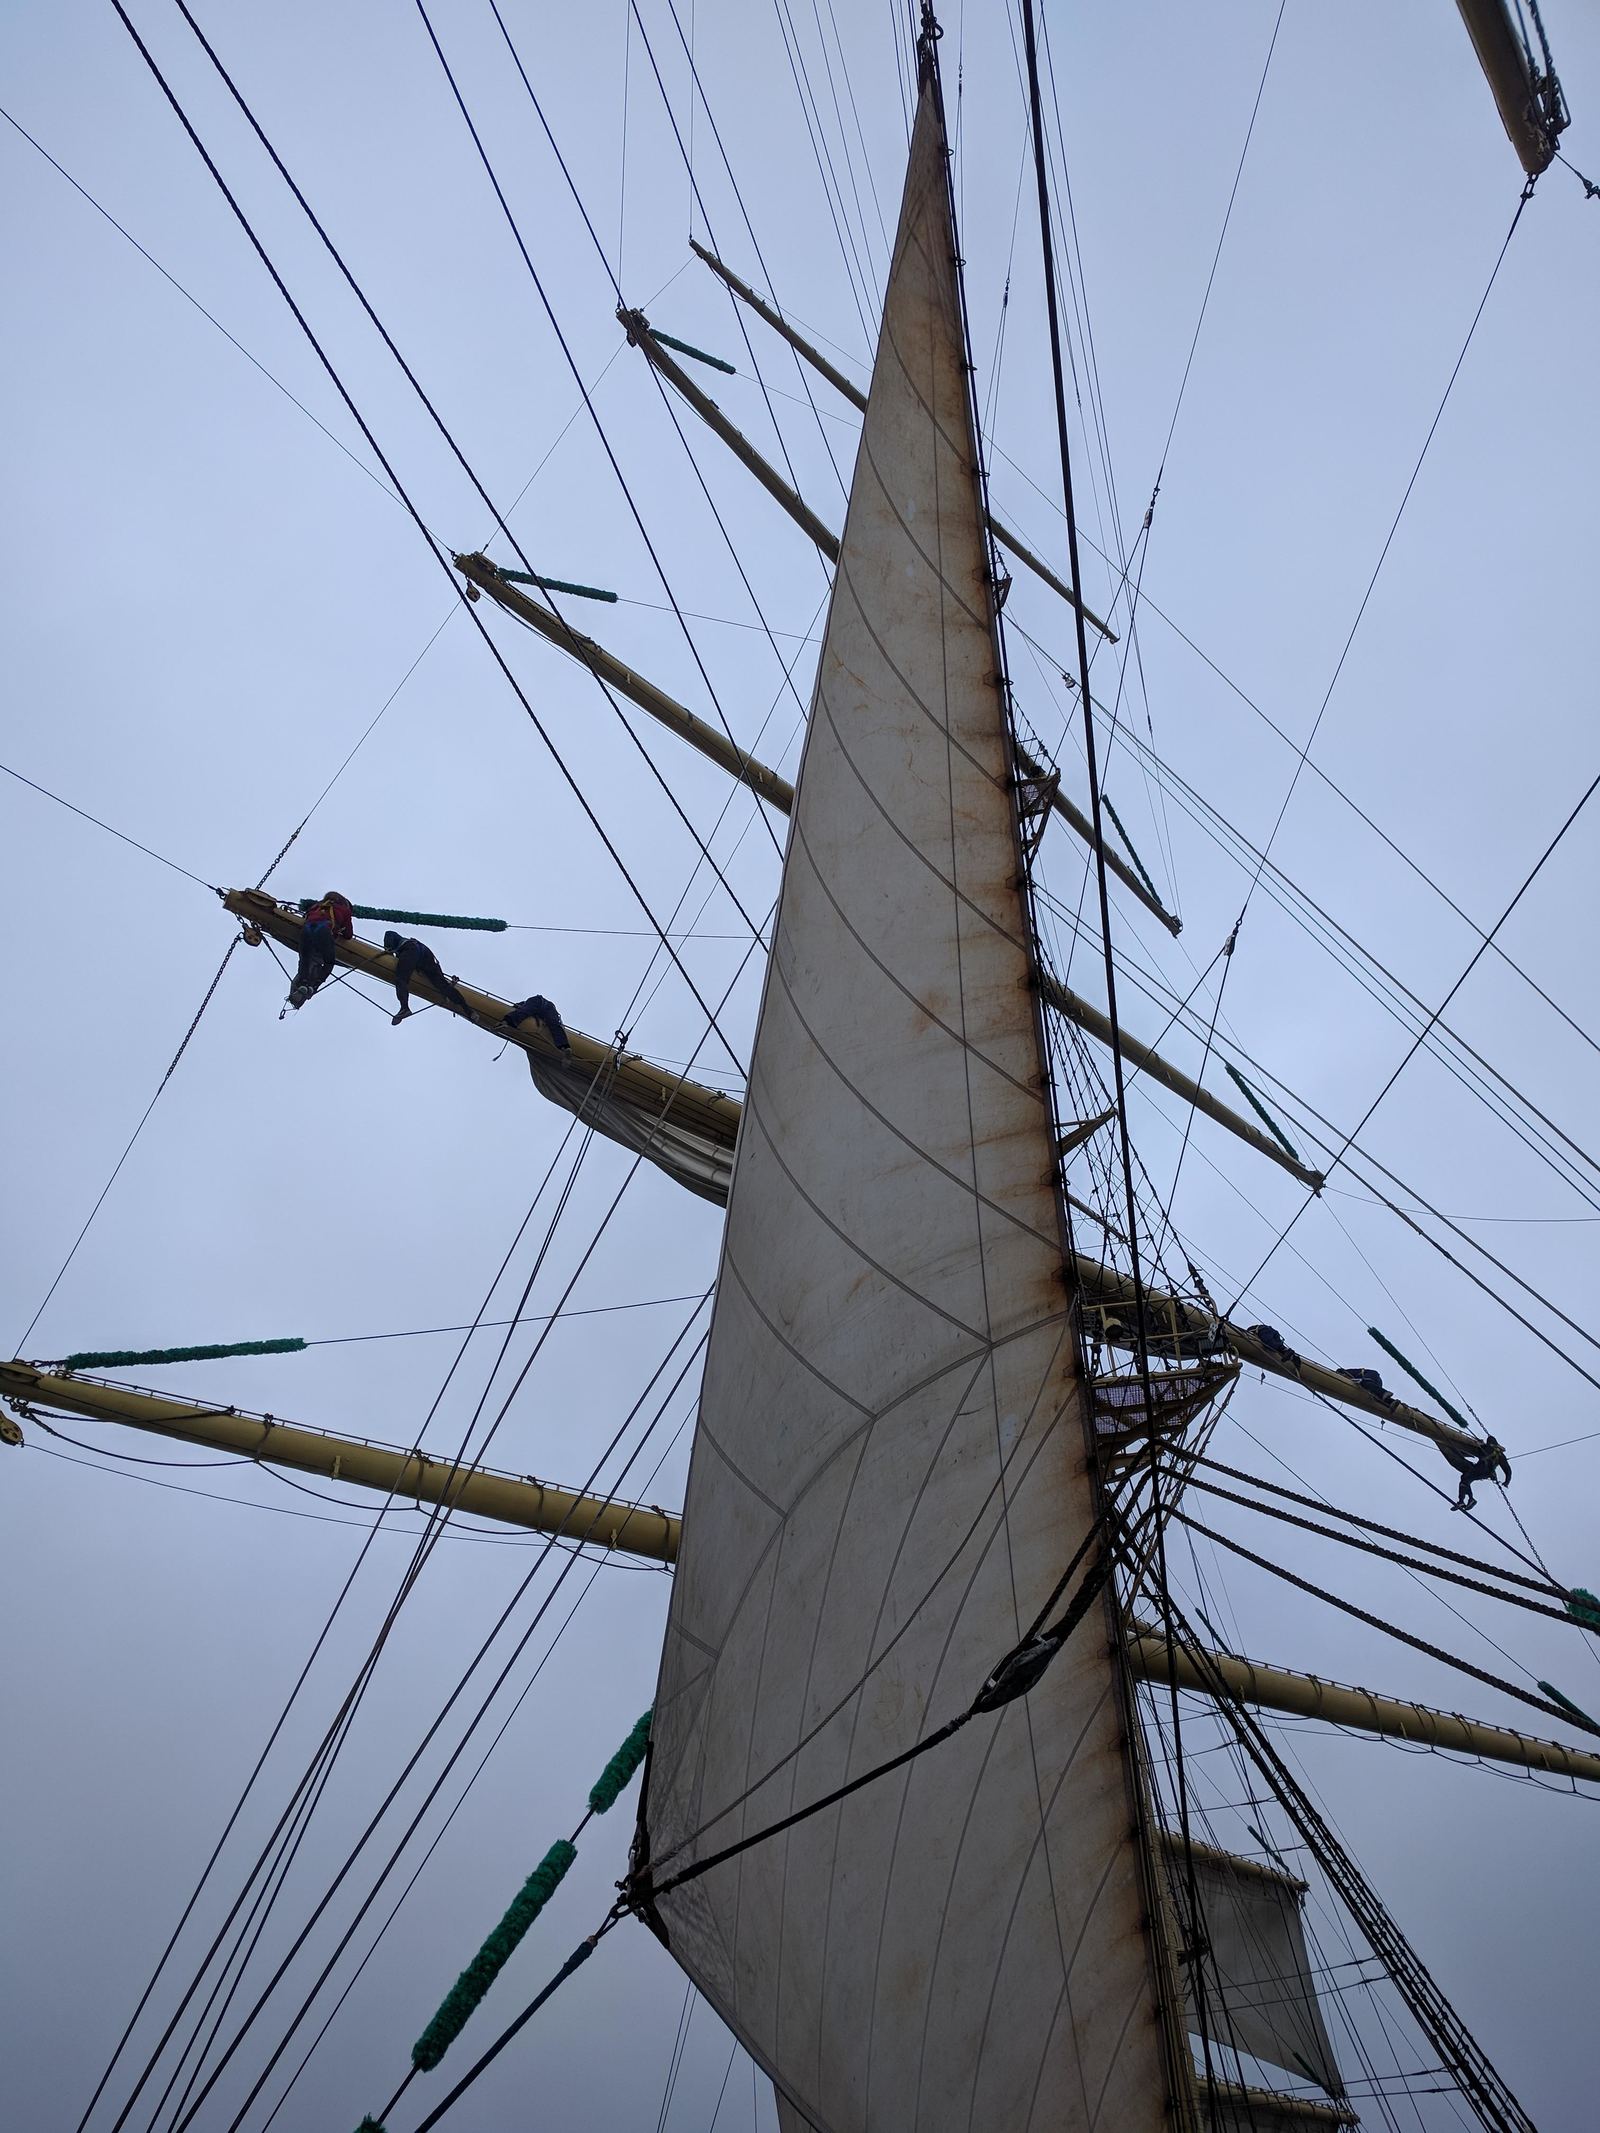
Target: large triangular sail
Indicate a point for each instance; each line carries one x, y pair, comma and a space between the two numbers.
890, 1470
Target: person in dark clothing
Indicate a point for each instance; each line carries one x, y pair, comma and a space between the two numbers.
539, 1009
328, 920
1488, 1465
1276, 1346
413, 960
1369, 1381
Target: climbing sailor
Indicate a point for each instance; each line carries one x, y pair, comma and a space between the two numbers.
1488, 1465
539, 1009
328, 920
415, 959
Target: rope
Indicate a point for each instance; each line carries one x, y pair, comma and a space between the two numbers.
450, 1761
474, 1982
121, 836
1471, 1562
666, 397
172, 1068
1457, 2048
434, 546
329, 1748
616, 468
1216, 261
211, 318
1304, 750
579, 1956
1472, 963
1018, 1672
1390, 1629
1390, 1555
1344, 1414
1124, 1136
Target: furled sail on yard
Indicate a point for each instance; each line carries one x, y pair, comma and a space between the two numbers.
700, 1161
890, 1470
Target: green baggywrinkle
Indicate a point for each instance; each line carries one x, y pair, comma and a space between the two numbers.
557, 585
1139, 865
1412, 1371
118, 1358
1584, 1608
458, 2004
687, 348
470, 1987
603, 1792
1573, 1710
421, 918
1262, 1112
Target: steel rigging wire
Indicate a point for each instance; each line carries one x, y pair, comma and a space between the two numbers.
455, 448
430, 1527
441, 558
601, 1562
1454, 2043
1142, 540
303, 1806
144, 1116
411, 1575
667, 398
1416, 1046
388, 1868
697, 93
1496, 1294
455, 1754
322, 1636
1333, 786
600, 432
366, 431
1124, 1139
1397, 998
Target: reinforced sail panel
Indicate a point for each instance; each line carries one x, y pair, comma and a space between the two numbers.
889, 1474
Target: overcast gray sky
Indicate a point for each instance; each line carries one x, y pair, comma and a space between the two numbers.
210, 602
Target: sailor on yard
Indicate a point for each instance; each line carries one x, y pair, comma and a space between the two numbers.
539, 1009
415, 959
328, 920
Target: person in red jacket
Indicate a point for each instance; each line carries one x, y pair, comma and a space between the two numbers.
328, 920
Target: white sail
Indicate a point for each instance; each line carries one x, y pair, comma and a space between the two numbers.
1259, 1995
890, 1470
